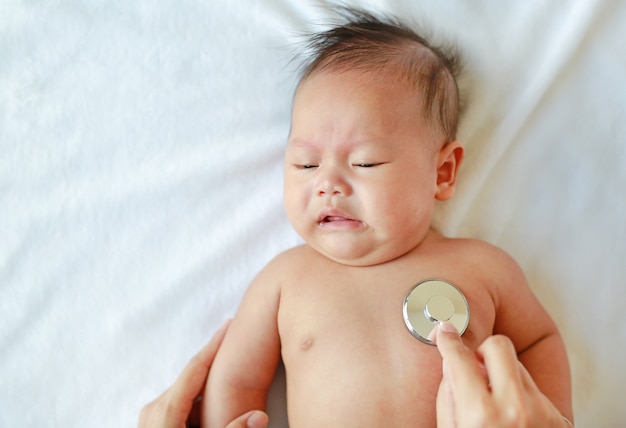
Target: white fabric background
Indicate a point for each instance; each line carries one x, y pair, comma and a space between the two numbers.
140, 182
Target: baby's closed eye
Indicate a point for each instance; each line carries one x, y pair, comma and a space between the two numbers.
366, 164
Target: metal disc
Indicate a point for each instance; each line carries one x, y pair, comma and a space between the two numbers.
430, 302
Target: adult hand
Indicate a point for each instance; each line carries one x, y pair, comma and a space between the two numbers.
488, 387
175, 407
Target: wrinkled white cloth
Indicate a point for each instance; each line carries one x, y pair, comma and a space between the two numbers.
140, 182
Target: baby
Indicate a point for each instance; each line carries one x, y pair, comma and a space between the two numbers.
372, 146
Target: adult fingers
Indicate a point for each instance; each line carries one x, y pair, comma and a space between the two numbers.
508, 397
252, 419
516, 397
500, 359
445, 405
543, 403
462, 369
191, 381
172, 408
464, 372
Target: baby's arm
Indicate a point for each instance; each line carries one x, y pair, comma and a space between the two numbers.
244, 367
539, 346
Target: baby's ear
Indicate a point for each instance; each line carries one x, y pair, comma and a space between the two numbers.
448, 164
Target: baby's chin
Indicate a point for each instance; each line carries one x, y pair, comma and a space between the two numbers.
357, 256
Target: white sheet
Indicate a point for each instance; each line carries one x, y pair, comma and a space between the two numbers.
140, 183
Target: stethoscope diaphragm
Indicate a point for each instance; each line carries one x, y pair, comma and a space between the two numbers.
433, 301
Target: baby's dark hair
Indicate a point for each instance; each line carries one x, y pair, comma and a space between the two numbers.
382, 44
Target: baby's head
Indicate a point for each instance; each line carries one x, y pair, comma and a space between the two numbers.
372, 141
388, 50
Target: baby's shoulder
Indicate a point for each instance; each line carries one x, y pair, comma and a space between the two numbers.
295, 259
481, 257
474, 249
296, 254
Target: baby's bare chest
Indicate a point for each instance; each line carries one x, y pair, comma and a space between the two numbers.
365, 305
343, 335
343, 332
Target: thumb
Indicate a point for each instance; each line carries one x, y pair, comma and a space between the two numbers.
252, 419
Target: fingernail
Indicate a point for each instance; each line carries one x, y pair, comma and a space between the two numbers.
257, 420
447, 327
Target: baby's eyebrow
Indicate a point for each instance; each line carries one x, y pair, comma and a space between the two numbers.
299, 142
352, 142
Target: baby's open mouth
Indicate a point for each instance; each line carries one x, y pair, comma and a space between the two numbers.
332, 218
340, 222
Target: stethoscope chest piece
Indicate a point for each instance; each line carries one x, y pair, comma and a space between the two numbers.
433, 301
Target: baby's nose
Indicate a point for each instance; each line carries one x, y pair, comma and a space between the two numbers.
332, 183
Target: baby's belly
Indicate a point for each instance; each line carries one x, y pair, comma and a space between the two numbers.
335, 382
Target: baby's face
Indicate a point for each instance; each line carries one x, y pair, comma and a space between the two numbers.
360, 168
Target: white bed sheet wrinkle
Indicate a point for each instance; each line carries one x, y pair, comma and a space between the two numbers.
141, 182
553, 58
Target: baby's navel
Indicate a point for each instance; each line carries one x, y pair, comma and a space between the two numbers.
306, 343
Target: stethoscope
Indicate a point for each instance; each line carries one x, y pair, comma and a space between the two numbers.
433, 301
